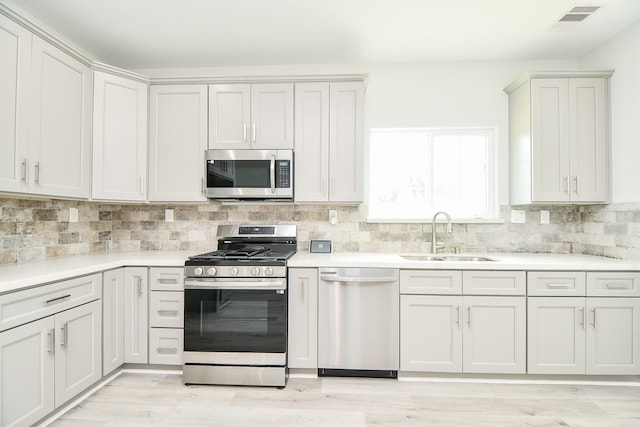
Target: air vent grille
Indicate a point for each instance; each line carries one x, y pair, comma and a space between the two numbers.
576, 16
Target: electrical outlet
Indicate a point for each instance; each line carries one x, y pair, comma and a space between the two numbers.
333, 216
73, 214
518, 216
544, 217
168, 215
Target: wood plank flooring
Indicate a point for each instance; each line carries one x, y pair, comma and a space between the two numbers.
159, 399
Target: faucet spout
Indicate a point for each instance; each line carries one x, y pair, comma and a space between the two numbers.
434, 244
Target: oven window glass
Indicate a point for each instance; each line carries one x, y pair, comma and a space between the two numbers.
235, 320
239, 174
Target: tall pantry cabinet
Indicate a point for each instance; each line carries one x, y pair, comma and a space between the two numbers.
559, 138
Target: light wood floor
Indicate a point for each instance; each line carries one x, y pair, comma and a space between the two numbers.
135, 399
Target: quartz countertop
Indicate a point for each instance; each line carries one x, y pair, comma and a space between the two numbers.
500, 261
21, 276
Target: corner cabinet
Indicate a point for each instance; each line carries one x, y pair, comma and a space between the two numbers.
559, 144
119, 138
329, 145
251, 116
177, 142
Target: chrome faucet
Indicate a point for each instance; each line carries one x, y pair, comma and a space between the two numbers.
434, 245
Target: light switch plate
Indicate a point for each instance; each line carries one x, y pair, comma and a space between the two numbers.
168, 215
518, 216
544, 217
73, 214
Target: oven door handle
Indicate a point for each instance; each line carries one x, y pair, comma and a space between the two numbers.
247, 285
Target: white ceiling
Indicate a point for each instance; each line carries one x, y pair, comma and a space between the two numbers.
143, 34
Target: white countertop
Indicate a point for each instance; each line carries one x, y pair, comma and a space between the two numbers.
500, 262
20, 276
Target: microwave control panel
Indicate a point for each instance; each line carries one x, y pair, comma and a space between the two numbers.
283, 173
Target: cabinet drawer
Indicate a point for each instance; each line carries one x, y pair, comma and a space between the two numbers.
166, 278
444, 282
24, 306
484, 282
166, 309
612, 284
165, 346
556, 283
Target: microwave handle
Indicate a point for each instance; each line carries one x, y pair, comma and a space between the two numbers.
272, 174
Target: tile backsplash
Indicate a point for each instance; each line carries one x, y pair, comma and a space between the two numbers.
37, 229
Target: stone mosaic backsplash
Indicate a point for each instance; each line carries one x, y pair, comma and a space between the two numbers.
37, 229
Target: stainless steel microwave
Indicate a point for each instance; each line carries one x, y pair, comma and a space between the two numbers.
249, 174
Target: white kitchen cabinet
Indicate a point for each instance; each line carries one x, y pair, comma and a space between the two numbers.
431, 282
119, 138
177, 142
113, 306
559, 138
27, 373
166, 315
136, 324
488, 282
78, 350
15, 60
302, 352
251, 116
59, 162
329, 142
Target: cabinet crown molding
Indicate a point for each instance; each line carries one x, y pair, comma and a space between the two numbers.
528, 75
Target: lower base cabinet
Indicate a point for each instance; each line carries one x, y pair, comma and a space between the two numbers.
45, 363
593, 336
472, 334
165, 346
302, 337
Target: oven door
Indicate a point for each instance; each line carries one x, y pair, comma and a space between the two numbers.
235, 321
238, 174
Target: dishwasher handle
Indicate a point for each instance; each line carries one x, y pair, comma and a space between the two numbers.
331, 278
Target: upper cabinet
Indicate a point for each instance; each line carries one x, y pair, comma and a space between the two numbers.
177, 142
45, 117
119, 138
329, 142
559, 138
251, 116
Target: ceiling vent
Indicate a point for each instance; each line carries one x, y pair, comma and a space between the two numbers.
574, 18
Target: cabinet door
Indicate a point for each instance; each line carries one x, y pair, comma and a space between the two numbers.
272, 116
112, 320
613, 343
119, 138
303, 318
311, 142
177, 142
78, 350
229, 116
15, 58
60, 127
494, 335
430, 333
136, 325
550, 136
588, 136
556, 335
27, 373
346, 142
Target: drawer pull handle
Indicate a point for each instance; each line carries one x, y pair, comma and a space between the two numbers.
168, 281
616, 286
558, 285
58, 299
168, 312
166, 350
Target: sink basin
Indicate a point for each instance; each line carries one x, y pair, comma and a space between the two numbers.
423, 258
453, 258
466, 258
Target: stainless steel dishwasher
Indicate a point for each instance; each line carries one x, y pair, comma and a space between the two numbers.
358, 322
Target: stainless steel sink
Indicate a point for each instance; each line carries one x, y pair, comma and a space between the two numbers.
451, 258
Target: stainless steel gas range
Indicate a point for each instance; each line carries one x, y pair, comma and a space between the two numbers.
235, 316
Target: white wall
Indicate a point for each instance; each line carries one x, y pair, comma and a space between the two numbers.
621, 54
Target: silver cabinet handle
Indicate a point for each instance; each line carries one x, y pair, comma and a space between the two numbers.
24, 170
142, 185
582, 317
36, 170
272, 173
567, 184
52, 341
244, 132
202, 189
139, 285
58, 299
253, 133
469, 316
593, 319
458, 316
167, 350
576, 179
616, 286
65, 336
558, 285
167, 312
168, 281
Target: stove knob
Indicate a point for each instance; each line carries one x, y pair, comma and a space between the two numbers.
211, 271
198, 271
255, 271
268, 271
234, 271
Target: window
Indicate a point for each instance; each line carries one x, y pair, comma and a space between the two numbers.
414, 173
